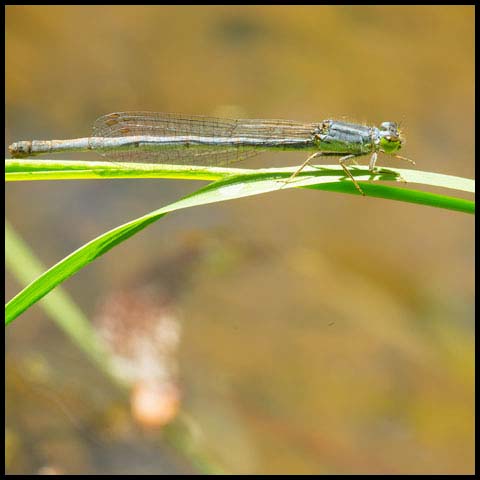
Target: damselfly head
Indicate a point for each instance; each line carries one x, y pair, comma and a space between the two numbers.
390, 138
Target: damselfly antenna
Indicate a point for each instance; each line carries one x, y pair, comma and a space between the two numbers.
405, 158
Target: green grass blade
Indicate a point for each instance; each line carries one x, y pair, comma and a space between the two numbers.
31, 170
405, 195
28, 170
24, 266
228, 189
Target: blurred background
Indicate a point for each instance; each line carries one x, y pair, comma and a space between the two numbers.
296, 332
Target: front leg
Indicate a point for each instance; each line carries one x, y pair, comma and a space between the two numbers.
373, 160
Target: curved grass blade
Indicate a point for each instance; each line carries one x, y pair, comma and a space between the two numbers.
21, 262
230, 188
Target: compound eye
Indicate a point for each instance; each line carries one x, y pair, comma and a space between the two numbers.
389, 125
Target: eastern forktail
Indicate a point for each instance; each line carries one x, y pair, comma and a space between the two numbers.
184, 139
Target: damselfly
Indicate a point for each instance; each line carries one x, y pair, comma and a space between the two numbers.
184, 139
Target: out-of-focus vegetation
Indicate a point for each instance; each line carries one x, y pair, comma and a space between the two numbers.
320, 333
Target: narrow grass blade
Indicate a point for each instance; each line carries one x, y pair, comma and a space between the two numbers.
228, 189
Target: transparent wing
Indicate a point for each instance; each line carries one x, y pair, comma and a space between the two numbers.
174, 125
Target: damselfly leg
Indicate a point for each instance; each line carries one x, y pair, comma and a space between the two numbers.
343, 163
